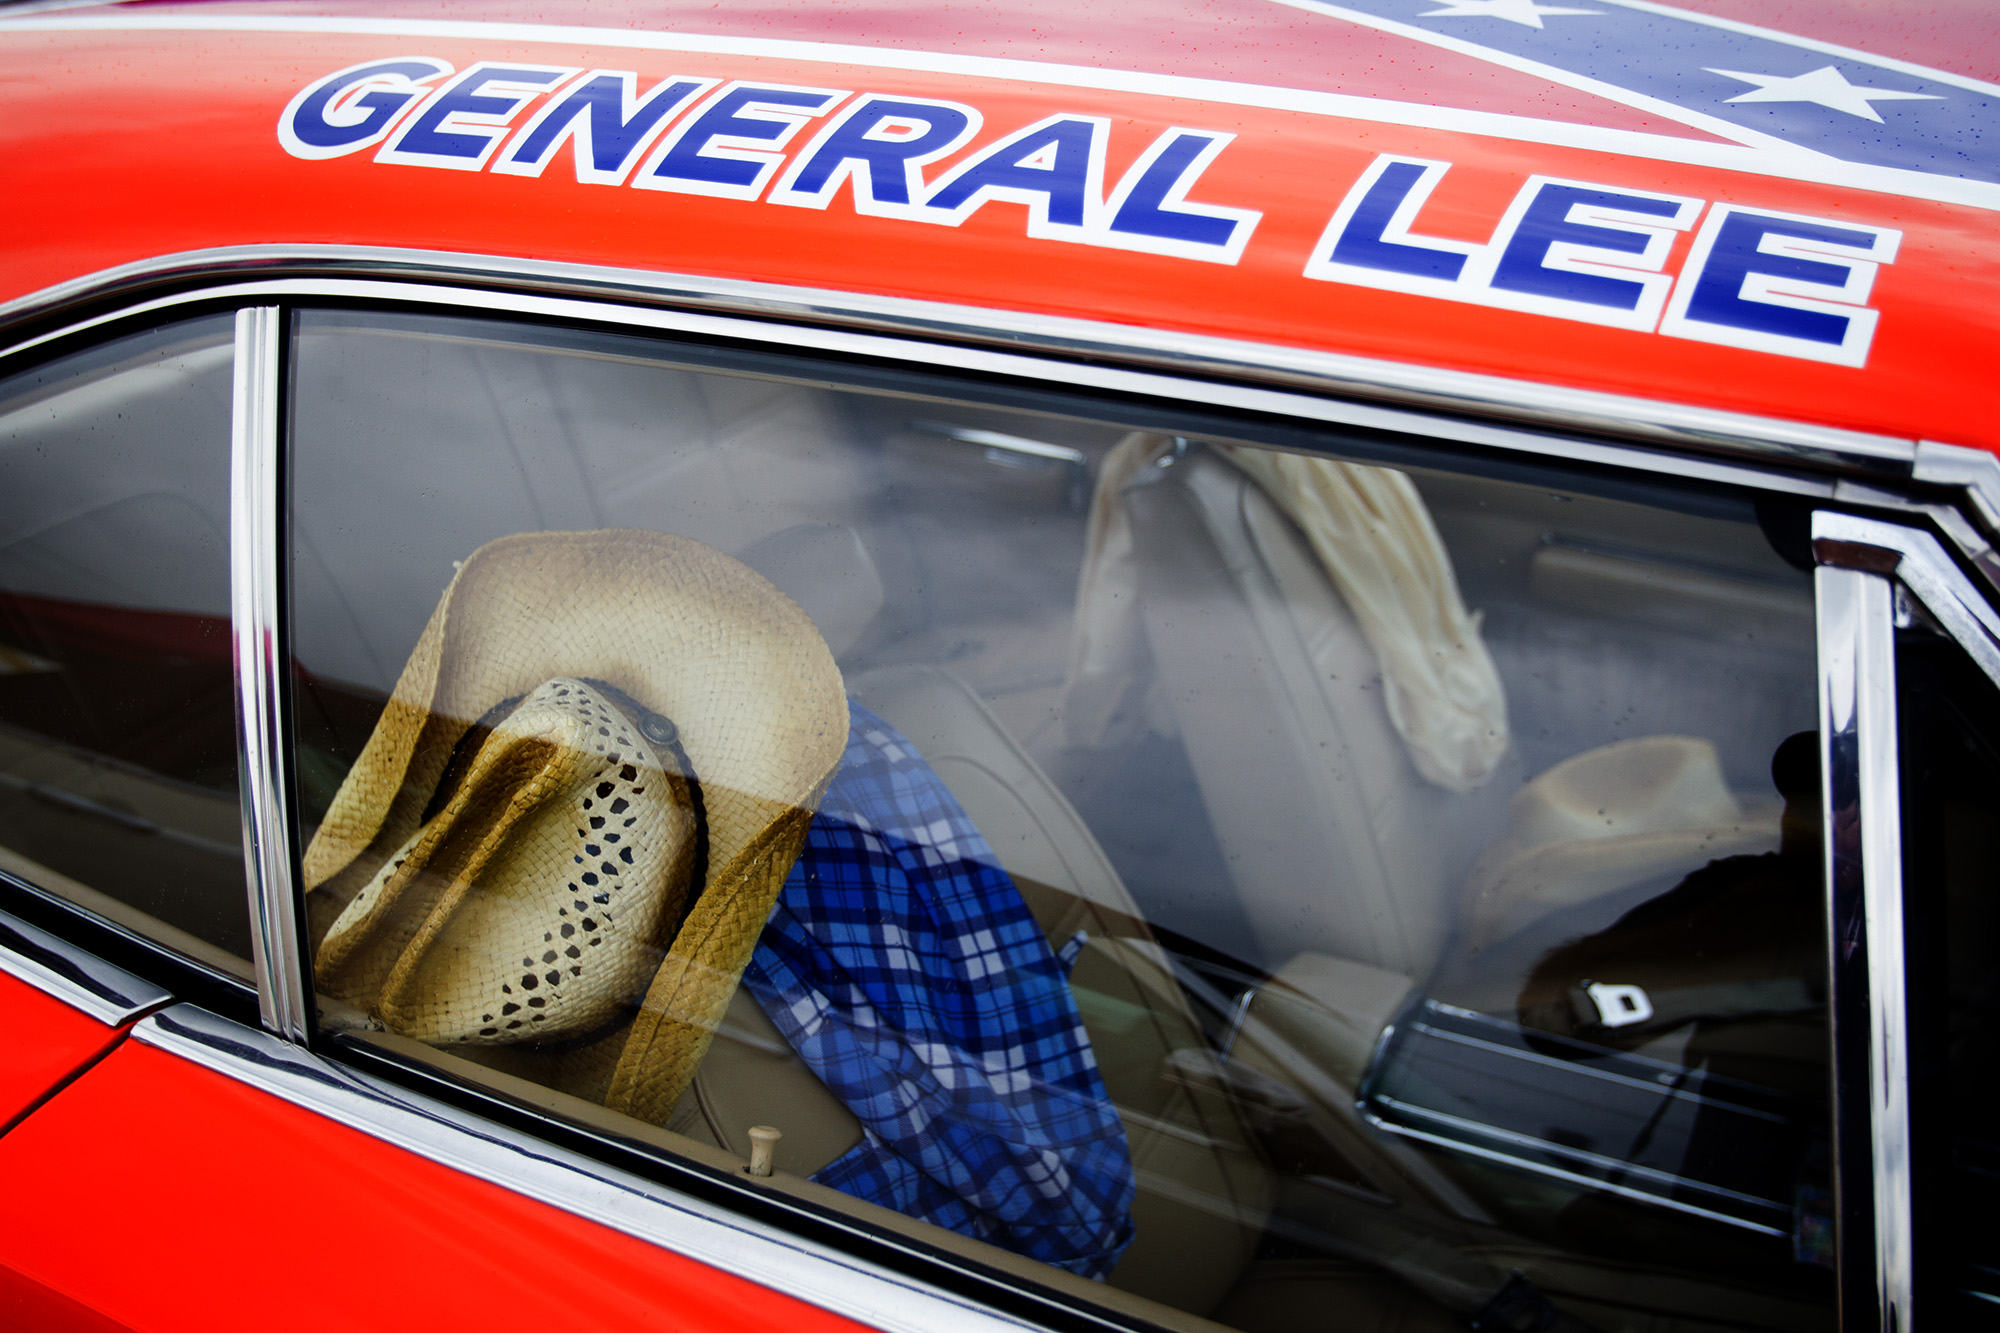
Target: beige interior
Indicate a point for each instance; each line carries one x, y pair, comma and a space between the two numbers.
1202, 1130
1205, 1190
1346, 864
1330, 1010
1337, 845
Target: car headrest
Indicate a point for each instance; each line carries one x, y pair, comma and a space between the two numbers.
826, 569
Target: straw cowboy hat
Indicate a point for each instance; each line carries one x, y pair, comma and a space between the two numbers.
1605, 820
582, 798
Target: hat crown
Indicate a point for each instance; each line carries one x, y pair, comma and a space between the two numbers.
757, 711
564, 845
1655, 784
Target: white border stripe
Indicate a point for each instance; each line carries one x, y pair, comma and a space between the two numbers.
1785, 162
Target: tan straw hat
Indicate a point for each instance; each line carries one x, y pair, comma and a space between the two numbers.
584, 795
1605, 820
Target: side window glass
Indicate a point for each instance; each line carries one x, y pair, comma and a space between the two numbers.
117, 749
1221, 882
1949, 740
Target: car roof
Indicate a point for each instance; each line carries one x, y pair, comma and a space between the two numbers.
150, 130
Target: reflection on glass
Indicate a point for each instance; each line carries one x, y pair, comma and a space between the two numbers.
117, 749
1269, 884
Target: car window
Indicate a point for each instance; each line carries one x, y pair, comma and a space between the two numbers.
1950, 750
117, 750
1124, 850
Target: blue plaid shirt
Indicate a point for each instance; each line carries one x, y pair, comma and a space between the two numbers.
906, 971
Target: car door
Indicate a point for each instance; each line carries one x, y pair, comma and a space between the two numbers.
1394, 872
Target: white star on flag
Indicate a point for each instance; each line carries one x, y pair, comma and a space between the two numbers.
1524, 12
1826, 87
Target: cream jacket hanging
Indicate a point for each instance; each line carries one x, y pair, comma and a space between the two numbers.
1375, 539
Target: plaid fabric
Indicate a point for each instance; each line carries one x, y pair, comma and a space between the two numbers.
903, 967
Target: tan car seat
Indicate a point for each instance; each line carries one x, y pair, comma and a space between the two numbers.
1204, 1192
1336, 844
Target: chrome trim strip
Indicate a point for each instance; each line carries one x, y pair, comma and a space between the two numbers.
256, 504
1972, 544
111, 995
1923, 566
1863, 849
1977, 471
1402, 421
1835, 594
1919, 562
1658, 424
591, 1190
1882, 895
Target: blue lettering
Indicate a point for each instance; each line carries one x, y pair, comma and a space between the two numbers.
1735, 256
732, 116
883, 163
1361, 241
1055, 160
1546, 222
313, 127
462, 122
608, 129
1146, 210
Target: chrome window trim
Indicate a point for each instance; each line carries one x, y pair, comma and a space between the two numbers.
1918, 560
1714, 432
1974, 470
111, 995
1862, 561
1882, 909
1965, 536
1520, 440
256, 506
767, 1255
1837, 596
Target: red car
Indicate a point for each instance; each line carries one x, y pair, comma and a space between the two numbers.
1253, 665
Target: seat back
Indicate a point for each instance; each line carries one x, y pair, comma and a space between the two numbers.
1204, 1189
1335, 842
